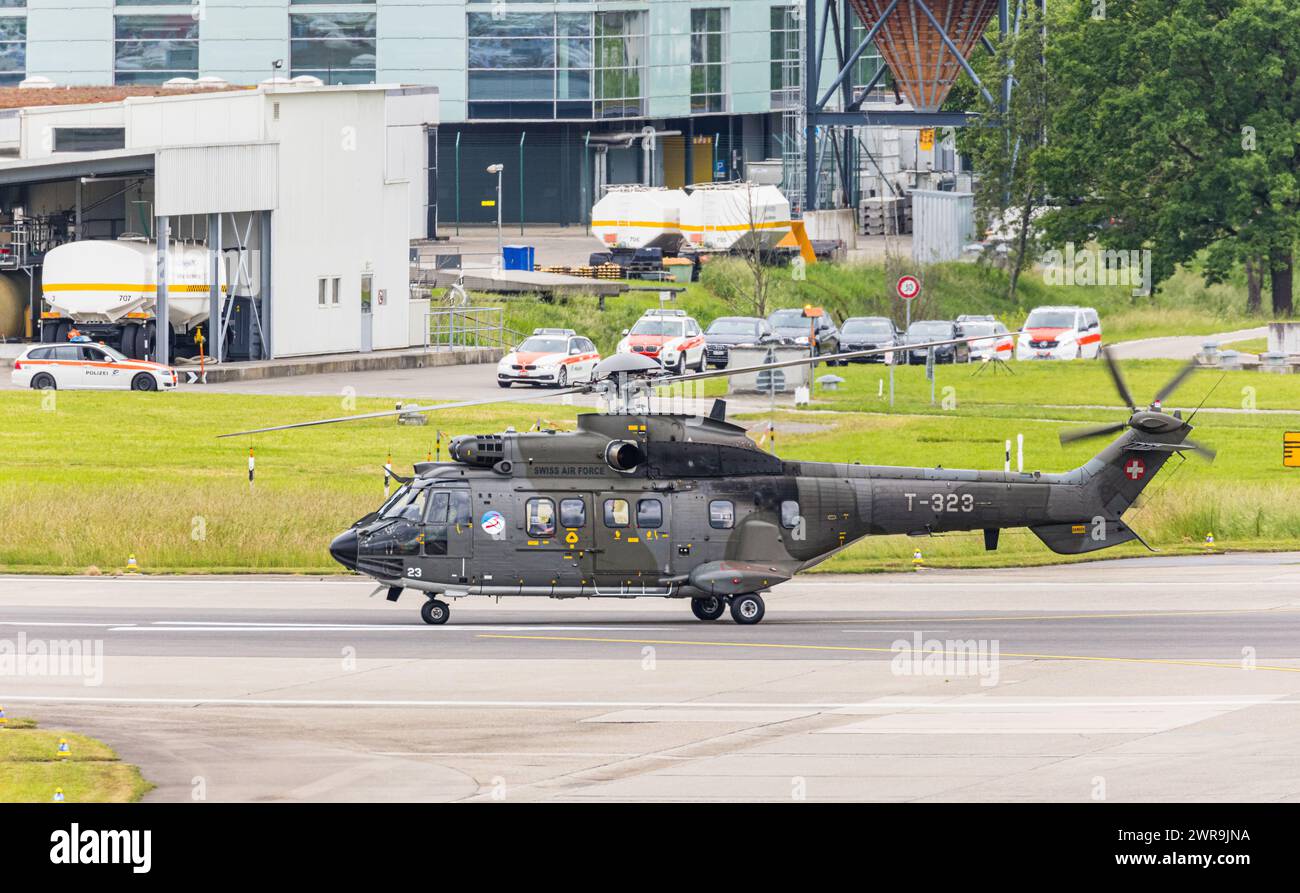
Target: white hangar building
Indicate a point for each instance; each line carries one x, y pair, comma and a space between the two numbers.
290, 207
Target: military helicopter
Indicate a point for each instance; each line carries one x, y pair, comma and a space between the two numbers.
642, 504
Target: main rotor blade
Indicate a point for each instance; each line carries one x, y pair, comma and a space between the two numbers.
1118, 377
826, 357
1095, 431
407, 409
1176, 381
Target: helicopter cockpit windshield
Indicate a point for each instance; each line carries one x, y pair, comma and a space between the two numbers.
405, 503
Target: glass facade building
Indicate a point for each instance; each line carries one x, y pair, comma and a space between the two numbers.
551, 83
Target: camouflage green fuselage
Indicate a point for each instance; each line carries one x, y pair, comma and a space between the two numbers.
700, 509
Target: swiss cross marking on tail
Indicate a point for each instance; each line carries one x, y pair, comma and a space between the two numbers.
1135, 470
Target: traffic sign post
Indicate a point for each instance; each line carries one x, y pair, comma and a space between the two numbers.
908, 288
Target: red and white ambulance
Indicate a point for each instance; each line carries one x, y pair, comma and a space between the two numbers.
551, 357
1060, 333
669, 336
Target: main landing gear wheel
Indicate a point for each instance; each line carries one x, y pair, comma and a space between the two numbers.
435, 612
708, 608
747, 609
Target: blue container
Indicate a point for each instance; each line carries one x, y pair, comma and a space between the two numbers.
517, 257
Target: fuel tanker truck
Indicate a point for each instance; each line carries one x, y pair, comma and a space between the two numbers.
107, 290
712, 217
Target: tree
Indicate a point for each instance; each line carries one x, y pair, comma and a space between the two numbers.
1180, 133
753, 254
1006, 148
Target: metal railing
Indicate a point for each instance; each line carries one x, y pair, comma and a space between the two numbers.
464, 327
23, 244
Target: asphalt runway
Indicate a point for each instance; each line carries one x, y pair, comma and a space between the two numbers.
1147, 679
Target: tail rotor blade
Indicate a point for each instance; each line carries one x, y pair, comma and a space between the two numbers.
1174, 382
1118, 377
1206, 453
1095, 431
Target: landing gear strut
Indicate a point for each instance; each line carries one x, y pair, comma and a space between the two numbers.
747, 609
435, 612
711, 607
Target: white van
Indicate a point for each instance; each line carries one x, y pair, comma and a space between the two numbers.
1060, 333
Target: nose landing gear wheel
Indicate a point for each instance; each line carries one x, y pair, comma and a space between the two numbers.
435, 612
708, 608
747, 609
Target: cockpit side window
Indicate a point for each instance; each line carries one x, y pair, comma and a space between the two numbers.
437, 513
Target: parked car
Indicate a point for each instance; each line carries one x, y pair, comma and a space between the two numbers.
869, 333
551, 357
669, 336
727, 332
810, 326
1060, 333
84, 365
999, 345
927, 330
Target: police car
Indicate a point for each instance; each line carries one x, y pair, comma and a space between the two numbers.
1060, 333
552, 357
76, 366
669, 336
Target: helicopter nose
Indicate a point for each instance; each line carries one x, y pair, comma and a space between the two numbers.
344, 549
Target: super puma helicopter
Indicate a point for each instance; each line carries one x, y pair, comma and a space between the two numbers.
638, 504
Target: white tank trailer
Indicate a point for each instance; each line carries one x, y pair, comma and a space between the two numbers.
639, 217
716, 217
107, 289
735, 216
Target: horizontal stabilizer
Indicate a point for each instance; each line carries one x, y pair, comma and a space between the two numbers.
1086, 536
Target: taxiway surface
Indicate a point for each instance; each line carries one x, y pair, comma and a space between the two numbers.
1160, 678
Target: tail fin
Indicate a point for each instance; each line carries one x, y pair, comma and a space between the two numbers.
1112, 482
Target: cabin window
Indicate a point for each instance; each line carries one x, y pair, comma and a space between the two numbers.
790, 514
617, 513
722, 514
573, 513
649, 513
541, 517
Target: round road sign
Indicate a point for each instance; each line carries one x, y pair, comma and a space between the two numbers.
908, 287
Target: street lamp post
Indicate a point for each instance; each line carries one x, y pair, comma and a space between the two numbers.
497, 169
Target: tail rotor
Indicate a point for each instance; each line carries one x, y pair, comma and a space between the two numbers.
1151, 422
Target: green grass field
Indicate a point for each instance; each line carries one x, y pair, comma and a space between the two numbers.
96, 477
31, 769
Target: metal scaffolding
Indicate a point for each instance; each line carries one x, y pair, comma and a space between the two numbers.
837, 106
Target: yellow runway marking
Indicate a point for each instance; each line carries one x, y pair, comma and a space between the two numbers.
868, 649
